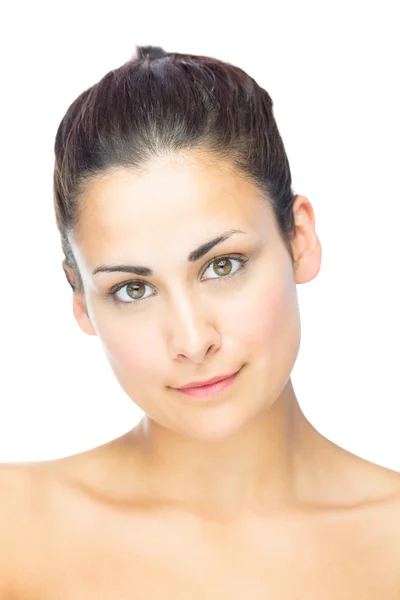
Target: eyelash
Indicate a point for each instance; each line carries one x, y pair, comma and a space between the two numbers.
113, 291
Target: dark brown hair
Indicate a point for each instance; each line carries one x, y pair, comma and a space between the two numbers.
161, 102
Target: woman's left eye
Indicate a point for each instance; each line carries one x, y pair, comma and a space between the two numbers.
222, 267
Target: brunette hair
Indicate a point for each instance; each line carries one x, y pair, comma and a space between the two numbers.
161, 102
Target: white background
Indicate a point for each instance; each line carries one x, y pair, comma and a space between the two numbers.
332, 70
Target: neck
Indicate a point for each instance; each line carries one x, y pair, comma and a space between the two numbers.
262, 466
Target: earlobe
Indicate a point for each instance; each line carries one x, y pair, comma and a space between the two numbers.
81, 315
78, 303
308, 265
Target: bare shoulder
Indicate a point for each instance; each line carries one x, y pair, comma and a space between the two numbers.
387, 504
40, 502
376, 509
380, 522
29, 492
379, 485
362, 501
15, 488
16, 506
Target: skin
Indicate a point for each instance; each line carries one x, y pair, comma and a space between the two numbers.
214, 473
233, 454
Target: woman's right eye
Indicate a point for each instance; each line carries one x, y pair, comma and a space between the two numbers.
135, 292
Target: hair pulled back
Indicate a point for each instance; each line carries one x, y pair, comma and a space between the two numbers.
160, 102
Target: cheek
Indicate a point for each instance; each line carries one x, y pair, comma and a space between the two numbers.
269, 323
269, 334
131, 352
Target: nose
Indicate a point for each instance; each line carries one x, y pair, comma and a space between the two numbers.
191, 332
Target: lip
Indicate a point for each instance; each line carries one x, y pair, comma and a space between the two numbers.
195, 384
209, 391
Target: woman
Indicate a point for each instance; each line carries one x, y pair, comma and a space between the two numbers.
184, 243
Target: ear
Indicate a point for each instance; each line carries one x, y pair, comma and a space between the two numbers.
81, 314
78, 304
306, 246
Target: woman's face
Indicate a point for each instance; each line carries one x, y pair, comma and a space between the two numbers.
191, 319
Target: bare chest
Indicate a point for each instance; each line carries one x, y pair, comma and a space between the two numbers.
174, 559
229, 577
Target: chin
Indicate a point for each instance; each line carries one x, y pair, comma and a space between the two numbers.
215, 423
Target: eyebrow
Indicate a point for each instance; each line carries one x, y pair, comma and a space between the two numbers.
192, 257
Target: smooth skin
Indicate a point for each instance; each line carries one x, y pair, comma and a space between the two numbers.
232, 497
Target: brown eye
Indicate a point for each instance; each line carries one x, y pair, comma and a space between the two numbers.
224, 267
135, 290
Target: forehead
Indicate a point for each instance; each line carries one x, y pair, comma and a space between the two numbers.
186, 197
